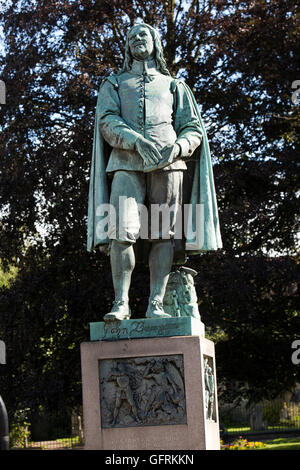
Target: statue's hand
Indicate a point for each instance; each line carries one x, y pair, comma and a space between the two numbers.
147, 151
167, 155
170, 153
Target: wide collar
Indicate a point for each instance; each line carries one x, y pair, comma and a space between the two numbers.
139, 67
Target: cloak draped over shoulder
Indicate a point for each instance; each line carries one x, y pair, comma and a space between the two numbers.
202, 217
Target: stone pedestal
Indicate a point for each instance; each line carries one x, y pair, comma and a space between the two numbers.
150, 393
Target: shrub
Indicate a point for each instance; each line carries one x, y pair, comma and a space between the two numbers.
19, 432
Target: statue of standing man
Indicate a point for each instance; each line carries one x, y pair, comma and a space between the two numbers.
148, 131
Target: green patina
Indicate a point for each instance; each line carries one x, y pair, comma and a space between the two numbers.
146, 328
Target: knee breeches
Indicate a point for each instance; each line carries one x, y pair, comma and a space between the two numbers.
146, 205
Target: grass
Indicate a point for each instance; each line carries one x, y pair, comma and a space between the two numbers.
67, 440
62, 443
247, 429
282, 443
239, 429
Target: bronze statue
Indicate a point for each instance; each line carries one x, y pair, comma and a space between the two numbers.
147, 131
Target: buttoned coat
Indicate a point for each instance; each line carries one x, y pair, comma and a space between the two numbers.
163, 110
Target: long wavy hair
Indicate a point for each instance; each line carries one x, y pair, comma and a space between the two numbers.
158, 51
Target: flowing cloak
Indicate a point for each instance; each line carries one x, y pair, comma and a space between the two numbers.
201, 226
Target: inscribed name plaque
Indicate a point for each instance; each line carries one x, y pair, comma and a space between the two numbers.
146, 328
142, 391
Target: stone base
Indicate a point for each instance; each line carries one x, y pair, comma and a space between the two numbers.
148, 394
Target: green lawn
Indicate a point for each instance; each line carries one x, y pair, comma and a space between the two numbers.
281, 443
248, 430
292, 443
240, 429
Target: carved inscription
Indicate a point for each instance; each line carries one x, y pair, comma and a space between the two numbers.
135, 328
142, 391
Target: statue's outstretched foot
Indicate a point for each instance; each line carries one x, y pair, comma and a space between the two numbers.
120, 311
156, 310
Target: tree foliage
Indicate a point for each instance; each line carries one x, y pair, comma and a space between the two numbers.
241, 59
